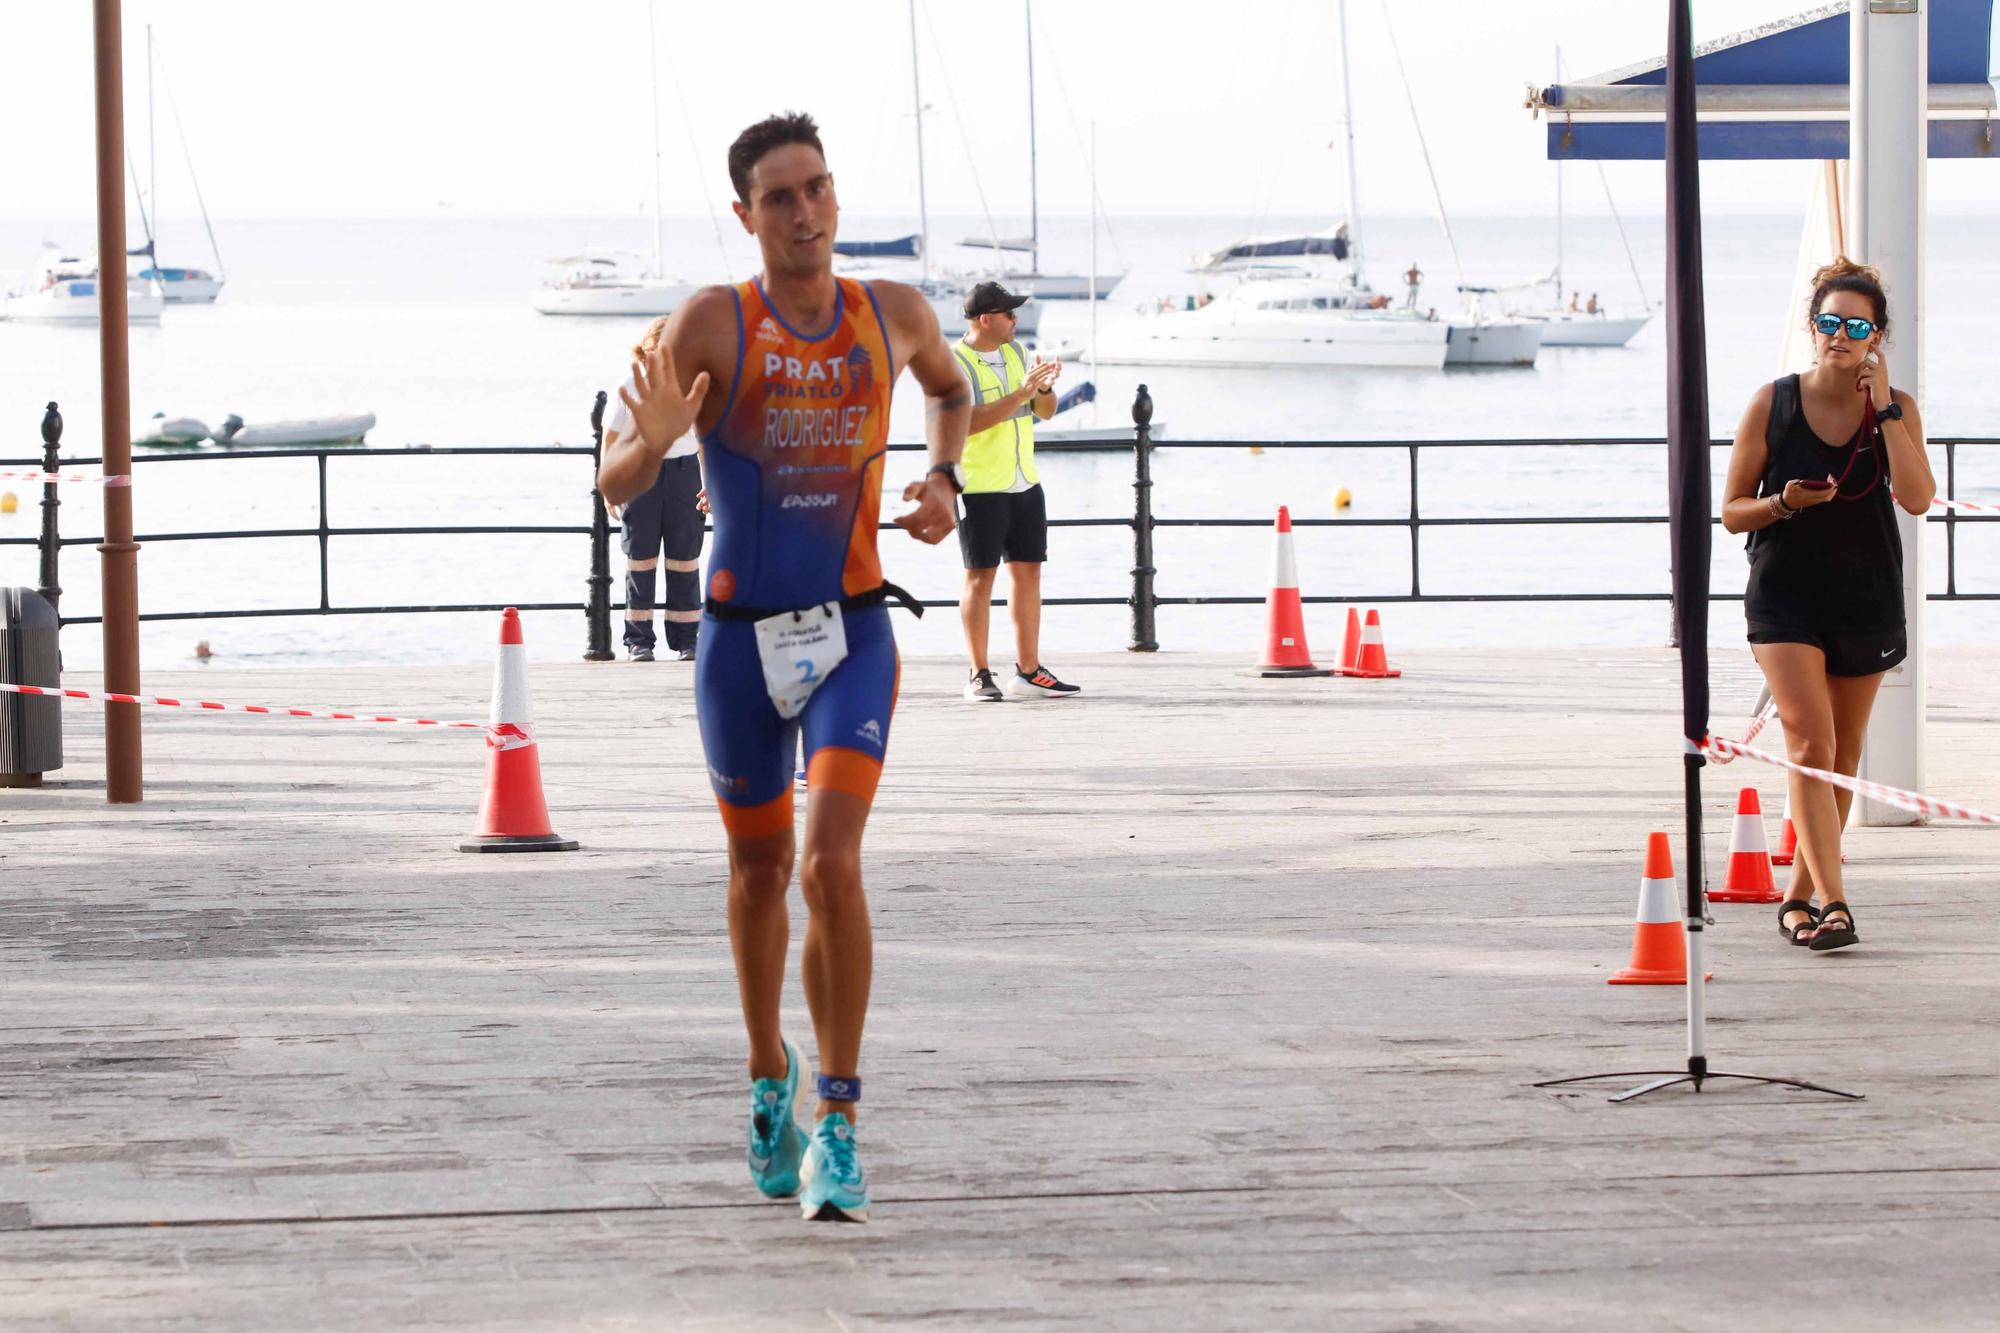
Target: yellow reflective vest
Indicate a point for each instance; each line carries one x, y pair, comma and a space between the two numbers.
992, 455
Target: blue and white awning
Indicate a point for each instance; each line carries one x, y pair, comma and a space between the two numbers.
1778, 91
1320, 243
903, 247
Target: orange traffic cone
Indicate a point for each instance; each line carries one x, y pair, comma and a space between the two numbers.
1285, 651
1371, 661
1788, 837
513, 817
1659, 948
1748, 879
1350, 647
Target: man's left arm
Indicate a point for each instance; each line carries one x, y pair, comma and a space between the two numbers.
947, 411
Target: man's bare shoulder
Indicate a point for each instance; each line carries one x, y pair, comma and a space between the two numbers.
900, 302
708, 306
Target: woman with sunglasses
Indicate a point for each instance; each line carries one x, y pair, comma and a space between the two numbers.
1810, 479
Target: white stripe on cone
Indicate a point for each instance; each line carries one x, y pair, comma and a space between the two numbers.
512, 724
1284, 565
1658, 902
1748, 834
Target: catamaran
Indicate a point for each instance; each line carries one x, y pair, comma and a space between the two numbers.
177, 285
65, 291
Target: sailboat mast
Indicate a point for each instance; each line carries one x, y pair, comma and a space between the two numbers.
1092, 376
659, 194
1559, 199
1034, 202
1353, 192
152, 158
923, 202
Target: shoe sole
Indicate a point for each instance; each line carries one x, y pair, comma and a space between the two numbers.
833, 1212
1036, 692
973, 698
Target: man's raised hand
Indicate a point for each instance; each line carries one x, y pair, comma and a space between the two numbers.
660, 411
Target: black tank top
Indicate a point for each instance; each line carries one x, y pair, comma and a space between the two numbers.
1837, 566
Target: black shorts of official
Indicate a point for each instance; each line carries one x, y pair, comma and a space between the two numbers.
1848, 652
1003, 525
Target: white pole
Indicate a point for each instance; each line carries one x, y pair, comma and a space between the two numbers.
923, 202
1034, 195
1888, 144
1090, 369
1559, 200
1353, 193
659, 194
152, 158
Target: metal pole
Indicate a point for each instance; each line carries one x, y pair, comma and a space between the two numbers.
1887, 147
52, 426
1416, 580
597, 604
1950, 519
1144, 637
659, 191
325, 603
123, 756
1353, 219
923, 200
1034, 200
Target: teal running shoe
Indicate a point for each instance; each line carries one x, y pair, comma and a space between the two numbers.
833, 1187
776, 1145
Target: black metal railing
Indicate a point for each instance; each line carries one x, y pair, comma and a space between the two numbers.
1142, 598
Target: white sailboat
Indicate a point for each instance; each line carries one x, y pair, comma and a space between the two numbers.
177, 285
1304, 301
612, 282
945, 295
1568, 325
1044, 286
65, 291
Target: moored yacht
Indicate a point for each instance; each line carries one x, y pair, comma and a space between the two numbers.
603, 282
1296, 320
65, 291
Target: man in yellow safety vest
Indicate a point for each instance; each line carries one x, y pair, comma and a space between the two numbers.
1005, 516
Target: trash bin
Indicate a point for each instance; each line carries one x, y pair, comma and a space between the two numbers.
30, 727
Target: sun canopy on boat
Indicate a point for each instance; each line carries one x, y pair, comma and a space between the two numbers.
1777, 91
1023, 243
1332, 243
903, 247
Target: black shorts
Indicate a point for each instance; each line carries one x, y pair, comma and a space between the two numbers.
1003, 525
1848, 652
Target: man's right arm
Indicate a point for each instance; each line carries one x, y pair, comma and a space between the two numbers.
701, 348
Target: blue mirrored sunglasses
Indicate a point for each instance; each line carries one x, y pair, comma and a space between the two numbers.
1857, 328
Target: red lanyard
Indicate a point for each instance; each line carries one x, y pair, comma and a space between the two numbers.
1871, 431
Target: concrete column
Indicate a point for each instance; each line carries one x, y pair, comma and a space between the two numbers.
1889, 54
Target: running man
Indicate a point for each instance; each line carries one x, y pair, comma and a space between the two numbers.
787, 379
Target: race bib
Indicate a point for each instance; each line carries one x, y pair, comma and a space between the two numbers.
799, 650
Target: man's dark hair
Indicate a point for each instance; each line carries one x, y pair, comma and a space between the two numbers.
767, 134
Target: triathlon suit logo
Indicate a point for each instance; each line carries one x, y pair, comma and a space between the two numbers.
794, 467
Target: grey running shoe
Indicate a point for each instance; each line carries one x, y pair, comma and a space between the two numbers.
1041, 683
982, 688
684, 654
638, 654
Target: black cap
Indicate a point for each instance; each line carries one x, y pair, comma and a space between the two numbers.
990, 298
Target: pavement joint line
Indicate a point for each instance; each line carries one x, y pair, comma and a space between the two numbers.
920, 1200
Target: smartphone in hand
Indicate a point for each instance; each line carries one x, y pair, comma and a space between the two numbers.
1805, 485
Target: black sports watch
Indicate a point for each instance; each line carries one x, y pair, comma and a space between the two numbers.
1893, 412
953, 473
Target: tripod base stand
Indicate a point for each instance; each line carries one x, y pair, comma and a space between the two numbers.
1696, 1074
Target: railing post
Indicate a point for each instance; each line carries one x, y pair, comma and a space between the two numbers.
597, 608
1950, 519
1416, 578
1144, 638
325, 603
51, 543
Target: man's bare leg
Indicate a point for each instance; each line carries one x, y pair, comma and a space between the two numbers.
975, 611
840, 947
1024, 600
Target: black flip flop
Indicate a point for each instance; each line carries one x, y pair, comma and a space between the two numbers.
1803, 933
1834, 936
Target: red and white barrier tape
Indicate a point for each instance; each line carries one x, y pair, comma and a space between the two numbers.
1762, 720
1914, 802
50, 478
207, 705
1966, 504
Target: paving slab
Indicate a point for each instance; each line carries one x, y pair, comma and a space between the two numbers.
1201, 1001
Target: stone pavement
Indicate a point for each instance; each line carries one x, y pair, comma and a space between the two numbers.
1202, 1001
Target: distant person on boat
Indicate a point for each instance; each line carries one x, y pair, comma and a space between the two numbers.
1005, 517
662, 523
1414, 277
1593, 308
787, 379
1825, 598
1572, 302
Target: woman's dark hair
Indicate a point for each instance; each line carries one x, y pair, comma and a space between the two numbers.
1844, 275
768, 133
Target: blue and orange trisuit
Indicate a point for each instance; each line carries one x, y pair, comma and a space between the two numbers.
794, 475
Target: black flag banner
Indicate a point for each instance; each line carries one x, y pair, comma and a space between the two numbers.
1688, 513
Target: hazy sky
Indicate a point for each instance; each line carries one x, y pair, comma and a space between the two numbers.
442, 108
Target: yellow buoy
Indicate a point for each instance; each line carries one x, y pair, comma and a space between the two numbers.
8, 504
1256, 449
1342, 498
